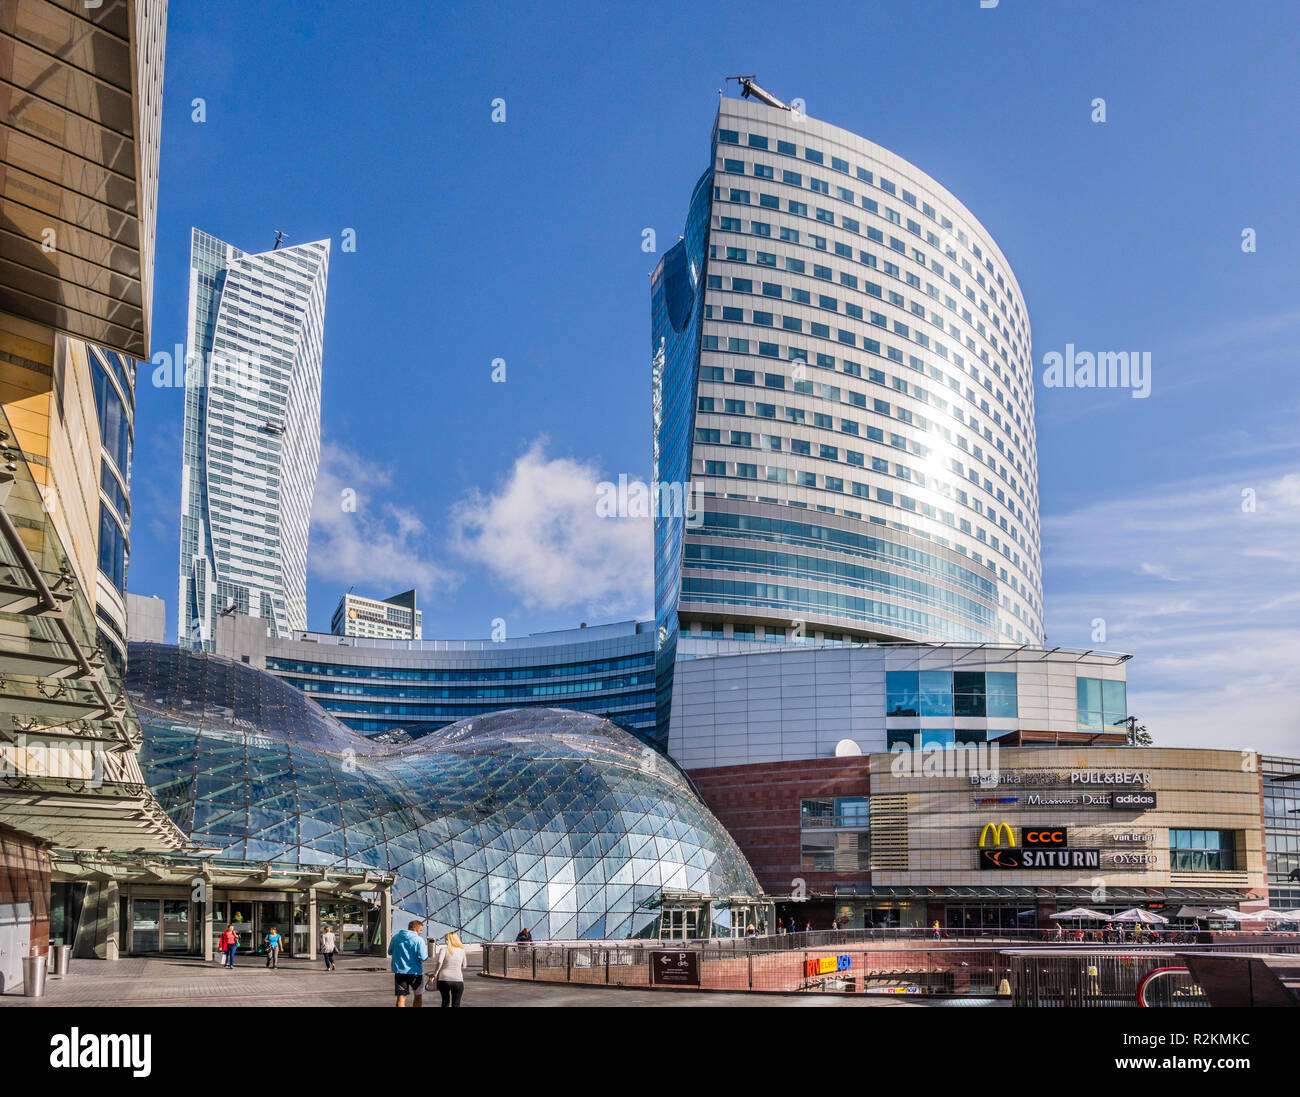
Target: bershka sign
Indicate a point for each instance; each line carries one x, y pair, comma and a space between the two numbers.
1133, 801
1029, 858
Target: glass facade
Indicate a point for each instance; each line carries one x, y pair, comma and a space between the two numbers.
413, 687
1281, 779
676, 318
551, 819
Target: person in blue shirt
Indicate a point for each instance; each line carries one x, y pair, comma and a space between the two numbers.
273, 943
408, 951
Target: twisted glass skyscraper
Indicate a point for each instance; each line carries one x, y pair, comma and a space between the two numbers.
252, 433
841, 359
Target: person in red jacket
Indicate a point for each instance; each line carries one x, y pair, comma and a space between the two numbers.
228, 943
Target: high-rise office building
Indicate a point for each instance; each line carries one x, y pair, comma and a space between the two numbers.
252, 434
842, 362
395, 618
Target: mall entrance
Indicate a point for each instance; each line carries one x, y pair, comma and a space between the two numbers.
168, 923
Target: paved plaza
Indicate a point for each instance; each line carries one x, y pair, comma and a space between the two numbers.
359, 981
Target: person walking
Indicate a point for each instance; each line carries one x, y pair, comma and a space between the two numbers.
329, 945
227, 945
408, 952
449, 974
936, 929
273, 943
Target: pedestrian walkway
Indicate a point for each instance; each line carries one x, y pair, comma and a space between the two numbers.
359, 981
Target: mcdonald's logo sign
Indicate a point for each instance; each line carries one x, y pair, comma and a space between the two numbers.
997, 830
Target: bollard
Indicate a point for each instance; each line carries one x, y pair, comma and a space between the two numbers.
34, 976
60, 959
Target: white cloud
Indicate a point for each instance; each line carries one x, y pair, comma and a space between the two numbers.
1217, 659
364, 538
539, 534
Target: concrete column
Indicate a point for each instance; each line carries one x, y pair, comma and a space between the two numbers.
113, 919
313, 922
208, 927
385, 919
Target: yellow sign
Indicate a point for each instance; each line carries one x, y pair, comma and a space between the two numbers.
998, 830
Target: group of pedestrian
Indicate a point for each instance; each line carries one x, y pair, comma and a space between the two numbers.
409, 952
792, 926
228, 945
1115, 933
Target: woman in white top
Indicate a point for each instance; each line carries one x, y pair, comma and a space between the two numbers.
449, 974
328, 946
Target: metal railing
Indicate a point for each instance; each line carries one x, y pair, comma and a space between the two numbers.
1035, 975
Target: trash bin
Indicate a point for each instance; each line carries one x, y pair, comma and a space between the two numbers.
34, 976
60, 958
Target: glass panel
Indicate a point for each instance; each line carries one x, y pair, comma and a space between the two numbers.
1001, 691
241, 914
901, 689
144, 924
936, 692
968, 693
176, 925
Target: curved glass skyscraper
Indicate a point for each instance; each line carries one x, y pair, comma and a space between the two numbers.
252, 433
842, 362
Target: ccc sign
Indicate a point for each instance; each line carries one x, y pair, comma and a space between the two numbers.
1044, 837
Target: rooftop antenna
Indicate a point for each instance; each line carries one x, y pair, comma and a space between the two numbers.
749, 89
280, 234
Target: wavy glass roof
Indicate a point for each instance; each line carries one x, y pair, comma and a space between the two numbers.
547, 818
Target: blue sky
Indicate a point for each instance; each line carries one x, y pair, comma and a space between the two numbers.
522, 241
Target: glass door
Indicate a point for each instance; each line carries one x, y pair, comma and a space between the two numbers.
145, 918
243, 914
176, 925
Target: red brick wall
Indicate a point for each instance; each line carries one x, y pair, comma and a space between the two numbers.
25, 878
759, 806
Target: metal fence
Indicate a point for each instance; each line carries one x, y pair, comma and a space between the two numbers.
1094, 976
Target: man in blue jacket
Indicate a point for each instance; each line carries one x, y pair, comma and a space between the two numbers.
408, 952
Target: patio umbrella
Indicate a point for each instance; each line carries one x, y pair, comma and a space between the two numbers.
1194, 913
1079, 914
1146, 917
1227, 915
1292, 915
1266, 916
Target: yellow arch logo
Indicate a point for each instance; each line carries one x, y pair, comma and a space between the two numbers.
998, 830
